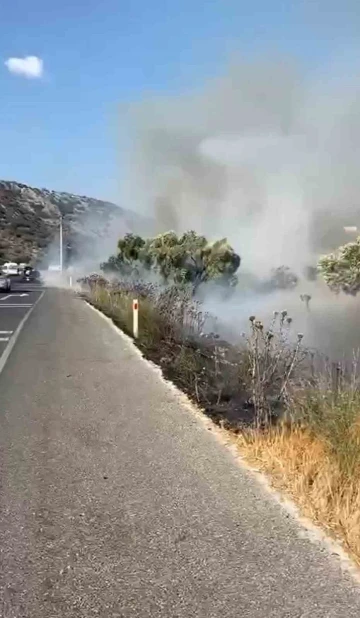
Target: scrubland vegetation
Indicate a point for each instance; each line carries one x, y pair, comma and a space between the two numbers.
292, 412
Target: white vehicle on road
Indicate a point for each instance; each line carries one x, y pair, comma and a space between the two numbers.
22, 267
10, 268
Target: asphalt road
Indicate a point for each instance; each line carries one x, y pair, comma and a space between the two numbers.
115, 501
14, 305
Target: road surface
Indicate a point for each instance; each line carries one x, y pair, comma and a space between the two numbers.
115, 501
14, 306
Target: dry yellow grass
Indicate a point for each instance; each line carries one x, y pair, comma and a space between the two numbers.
315, 460
303, 466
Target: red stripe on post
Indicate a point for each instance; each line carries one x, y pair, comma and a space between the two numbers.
135, 305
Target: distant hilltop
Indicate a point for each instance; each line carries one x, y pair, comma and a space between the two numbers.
29, 223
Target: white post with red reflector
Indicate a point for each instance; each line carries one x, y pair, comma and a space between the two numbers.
135, 318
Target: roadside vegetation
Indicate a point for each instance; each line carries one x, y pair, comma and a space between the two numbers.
341, 269
187, 259
292, 413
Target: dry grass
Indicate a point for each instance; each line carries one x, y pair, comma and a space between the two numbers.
317, 468
171, 334
298, 423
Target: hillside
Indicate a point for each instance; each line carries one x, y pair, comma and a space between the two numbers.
29, 224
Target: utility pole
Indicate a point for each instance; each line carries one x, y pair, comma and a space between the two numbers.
61, 243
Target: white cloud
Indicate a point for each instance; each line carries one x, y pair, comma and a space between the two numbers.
30, 66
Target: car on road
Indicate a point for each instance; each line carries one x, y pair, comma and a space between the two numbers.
5, 283
10, 268
31, 274
22, 267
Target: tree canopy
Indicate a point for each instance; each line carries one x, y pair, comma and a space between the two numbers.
341, 270
189, 258
280, 278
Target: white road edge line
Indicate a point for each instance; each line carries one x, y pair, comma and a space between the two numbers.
6, 332
6, 353
306, 527
5, 297
4, 338
12, 305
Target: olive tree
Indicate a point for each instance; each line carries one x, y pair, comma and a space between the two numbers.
188, 258
127, 259
341, 269
280, 278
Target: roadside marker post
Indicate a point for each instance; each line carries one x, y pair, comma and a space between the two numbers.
135, 318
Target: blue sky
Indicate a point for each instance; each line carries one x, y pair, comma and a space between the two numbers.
64, 131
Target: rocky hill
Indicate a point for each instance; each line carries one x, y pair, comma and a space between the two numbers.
29, 224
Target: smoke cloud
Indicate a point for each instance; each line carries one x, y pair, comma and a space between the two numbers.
266, 155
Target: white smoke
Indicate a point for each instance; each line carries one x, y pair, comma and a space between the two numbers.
267, 155
264, 155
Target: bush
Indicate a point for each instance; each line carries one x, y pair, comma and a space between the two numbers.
297, 416
187, 259
281, 278
341, 270
239, 383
